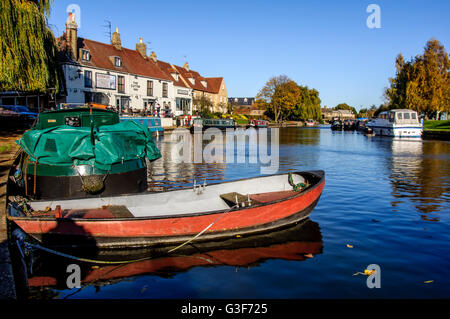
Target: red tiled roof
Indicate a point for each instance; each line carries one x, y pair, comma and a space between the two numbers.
132, 61
166, 67
198, 78
214, 84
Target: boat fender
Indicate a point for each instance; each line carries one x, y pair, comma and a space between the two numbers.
297, 187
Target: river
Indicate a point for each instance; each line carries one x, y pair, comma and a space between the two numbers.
386, 202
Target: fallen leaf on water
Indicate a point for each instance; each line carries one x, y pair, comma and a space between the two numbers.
368, 272
428, 281
349, 246
309, 255
238, 236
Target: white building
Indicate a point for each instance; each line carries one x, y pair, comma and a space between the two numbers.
112, 75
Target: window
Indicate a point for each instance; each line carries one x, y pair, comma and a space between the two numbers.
406, 116
121, 84
149, 88
165, 90
88, 79
399, 116
85, 55
117, 61
413, 116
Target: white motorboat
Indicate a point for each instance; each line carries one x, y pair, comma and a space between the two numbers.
397, 123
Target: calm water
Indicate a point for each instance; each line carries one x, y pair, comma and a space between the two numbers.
389, 199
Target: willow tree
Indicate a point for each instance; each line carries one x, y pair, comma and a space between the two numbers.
27, 47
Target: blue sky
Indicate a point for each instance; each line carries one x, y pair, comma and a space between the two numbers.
325, 45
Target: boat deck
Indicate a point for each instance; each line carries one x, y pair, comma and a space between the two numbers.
178, 202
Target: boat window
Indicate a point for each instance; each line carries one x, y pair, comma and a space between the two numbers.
391, 117
406, 116
399, 116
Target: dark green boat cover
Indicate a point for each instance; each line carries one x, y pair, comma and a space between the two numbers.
67, 145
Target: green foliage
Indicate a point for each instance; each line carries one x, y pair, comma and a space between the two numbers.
422, 84
27, 48
284, 99
345, 106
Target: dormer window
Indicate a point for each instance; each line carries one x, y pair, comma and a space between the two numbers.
85, 55
192, 80
117, 61
204, 83
175, 76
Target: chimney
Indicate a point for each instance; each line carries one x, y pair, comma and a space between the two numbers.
153, 56
186, 66
71, 36
115, 41
141, 48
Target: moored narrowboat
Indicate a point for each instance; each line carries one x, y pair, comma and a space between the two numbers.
82, 152
203, 124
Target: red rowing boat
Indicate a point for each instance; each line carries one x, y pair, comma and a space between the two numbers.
202, 212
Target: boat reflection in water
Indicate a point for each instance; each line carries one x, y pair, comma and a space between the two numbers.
419, 174
297, 243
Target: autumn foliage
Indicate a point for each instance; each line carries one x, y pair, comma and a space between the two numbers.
422, 84
284, 99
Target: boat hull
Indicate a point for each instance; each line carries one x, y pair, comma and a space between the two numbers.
397, 131
163, 230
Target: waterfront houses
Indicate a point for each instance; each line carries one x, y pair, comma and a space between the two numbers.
128, 79
213, 88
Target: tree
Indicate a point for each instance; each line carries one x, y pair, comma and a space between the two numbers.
283, 98
266, 94
27, 47
308, 105
422, 84
204, 106
345, 106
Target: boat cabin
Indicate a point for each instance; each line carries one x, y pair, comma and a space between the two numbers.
400, 116
76, 117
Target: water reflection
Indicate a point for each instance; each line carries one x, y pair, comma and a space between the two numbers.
419, 173
296, 243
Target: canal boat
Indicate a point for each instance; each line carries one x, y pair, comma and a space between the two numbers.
397, 123
82, 152
152, 123
258, 123
203, 124
295, 243
310, 123
349, 125
201, 213
336, 125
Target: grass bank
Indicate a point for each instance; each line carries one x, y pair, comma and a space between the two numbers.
437, 125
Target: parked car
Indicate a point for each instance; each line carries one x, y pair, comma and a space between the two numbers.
21, 109
23, 117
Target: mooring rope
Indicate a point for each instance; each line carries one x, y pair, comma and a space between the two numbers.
106, 262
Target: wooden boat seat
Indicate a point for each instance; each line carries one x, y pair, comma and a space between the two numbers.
234, 198
272, 196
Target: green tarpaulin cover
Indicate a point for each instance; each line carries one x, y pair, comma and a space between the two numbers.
67, 145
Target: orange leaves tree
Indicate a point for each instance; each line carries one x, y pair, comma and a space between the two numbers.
422, 84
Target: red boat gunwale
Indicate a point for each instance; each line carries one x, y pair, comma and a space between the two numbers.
138, 231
